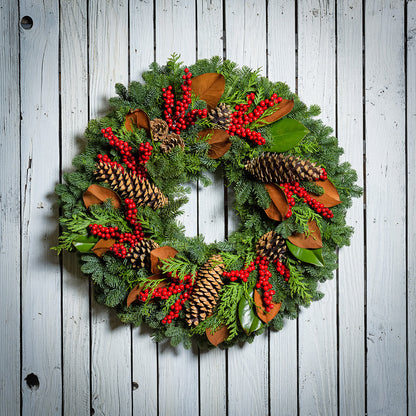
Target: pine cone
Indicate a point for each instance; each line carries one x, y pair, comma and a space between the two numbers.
130, 186
272, 246
159, 129
140, 256
206, 290
171, 141
278, 168
221, 115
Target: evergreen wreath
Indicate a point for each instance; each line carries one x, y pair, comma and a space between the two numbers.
119, 206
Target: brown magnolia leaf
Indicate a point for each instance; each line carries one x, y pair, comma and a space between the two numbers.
209, 87
283, 108
220, 335
138, 118
279, 206
219, 142
260, 308
97, 194
330, 197
160, 253
135, 292
103, 246
313, 240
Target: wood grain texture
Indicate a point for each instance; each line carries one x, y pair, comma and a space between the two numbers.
386, 208
175, 21
9, 210
41, 278
283, 345
212, 364
411, 203
141, 37
351, 259
75, 288
247, 366
144, 364
317, 324
110, 340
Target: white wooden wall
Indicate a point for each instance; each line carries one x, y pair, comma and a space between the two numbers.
353, 353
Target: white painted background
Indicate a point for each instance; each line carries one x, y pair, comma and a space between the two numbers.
353, 353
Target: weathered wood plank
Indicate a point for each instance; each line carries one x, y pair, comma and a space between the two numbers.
317, 324
111, 341
411, 203
144, 362
75, 289
10, 209
141, 28
351, 259
212, 365
178, 368
247, 366
283, 346
386, 207
41, 278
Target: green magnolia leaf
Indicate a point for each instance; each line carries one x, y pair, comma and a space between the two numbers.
306, 255
287, 133
249, 320
85, 243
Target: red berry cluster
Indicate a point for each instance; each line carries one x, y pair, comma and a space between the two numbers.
119, 249
263, 282
104, 232
294, 188
123, 147
175, 114
106, 159
282, 269
242, 274
184, 287
145, 151
240, 118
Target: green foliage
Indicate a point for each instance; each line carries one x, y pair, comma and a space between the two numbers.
174, 173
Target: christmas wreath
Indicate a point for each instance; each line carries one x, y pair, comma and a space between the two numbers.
120, 205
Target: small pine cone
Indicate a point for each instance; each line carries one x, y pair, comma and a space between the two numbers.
272, 246
221, 115
130, 186
159, 129
278, 168
140, 255
171, 141
206, 291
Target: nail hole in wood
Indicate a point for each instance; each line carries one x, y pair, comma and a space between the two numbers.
92, 411
32, 381
135, 386
26, 22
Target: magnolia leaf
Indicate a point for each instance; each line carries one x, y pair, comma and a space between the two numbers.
103, 246
249, 321
220, 335
261, 308
283, 108
139, 118
209, 87
219, 142
97, 194
330, 197
160, 253
305, 255
312, 239
279, 206
85, 243
135, 292
287, 133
